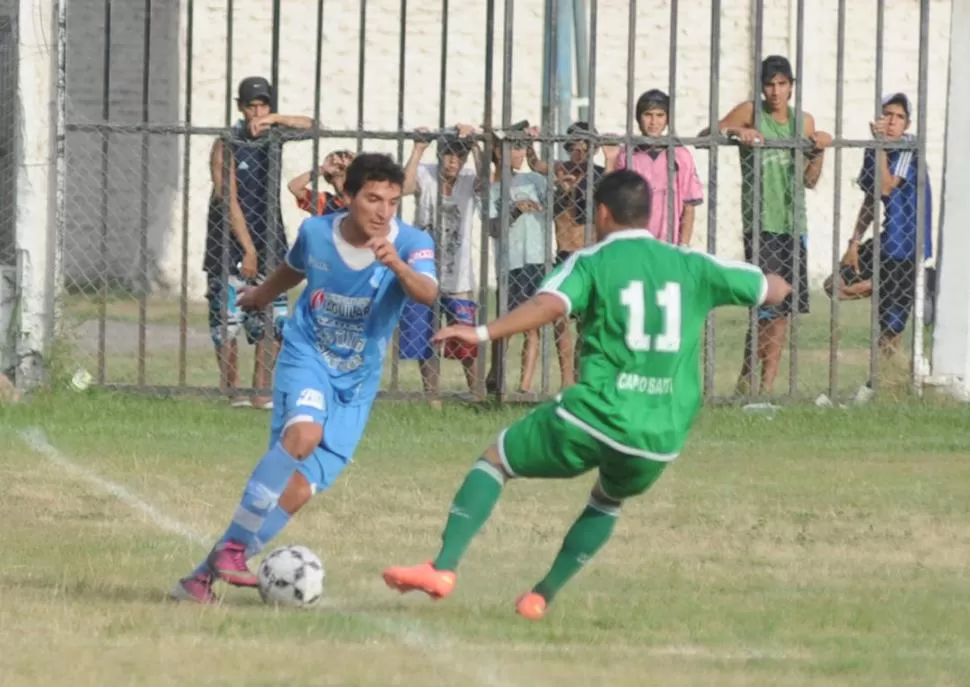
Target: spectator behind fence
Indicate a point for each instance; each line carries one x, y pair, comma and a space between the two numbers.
780, 239
650, 162
898, 252
574, 191
253, 233
525, 244
333, 170
459, 187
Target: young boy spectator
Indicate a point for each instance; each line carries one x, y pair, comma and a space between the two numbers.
459, 205
332, 171
780, 239
652, 112
898, 251
574, 189
525, 244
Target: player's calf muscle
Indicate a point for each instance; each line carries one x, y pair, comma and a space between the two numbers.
301, 439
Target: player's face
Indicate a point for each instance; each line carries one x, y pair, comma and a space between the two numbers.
653, 121
254, 109
578, 152
777, 92
451, 165
896, 120
374, 206
516, 158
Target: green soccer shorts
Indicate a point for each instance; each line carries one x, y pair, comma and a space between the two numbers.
545, 445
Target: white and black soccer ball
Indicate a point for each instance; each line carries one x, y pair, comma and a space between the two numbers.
291, 576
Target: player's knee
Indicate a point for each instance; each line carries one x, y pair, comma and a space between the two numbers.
301, 439
494, 458
599, 499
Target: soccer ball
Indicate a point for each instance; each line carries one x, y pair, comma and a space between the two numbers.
291, 576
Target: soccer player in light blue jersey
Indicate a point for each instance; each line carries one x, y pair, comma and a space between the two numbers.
360, 267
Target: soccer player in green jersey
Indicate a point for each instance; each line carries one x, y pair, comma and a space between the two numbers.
642, 304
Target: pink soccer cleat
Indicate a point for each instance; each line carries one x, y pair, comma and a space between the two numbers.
197, 588
228, 563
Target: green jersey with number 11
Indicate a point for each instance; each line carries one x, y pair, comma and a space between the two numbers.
642, 305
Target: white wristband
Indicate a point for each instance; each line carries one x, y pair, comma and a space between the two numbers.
482, 332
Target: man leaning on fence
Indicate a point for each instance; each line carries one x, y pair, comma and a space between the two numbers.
781, 242
256, 241
898, 252
650, 162
573, 196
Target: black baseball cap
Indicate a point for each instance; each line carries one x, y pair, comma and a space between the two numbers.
654, 98
773, 65
898, 99
255, 88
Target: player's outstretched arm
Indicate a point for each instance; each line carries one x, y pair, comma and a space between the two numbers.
541, 310
282, 279
778, 289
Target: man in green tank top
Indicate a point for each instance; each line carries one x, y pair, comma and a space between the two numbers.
774, 221
643, 305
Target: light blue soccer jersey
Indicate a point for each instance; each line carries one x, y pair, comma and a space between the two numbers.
351, 305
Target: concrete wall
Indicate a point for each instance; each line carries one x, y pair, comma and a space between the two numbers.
83, 260
465, 85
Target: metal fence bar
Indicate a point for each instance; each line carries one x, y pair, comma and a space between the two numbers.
105, 152
505, 176
672, 224
143, 280
230, 110
401, 81
274, 60
506, 133
877, 206
186, 184
228, 168
438, 230
755, 371
317, 99
837, 205
799, 253
589, 232
713, 118
918, 360
550, 123
631, 59
361, 62
485, 178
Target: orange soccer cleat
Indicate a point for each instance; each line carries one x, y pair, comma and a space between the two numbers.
531, 606
425, 578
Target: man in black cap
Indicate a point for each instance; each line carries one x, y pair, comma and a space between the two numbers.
779, 237
256, 241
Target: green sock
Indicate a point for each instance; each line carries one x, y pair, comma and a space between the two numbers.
587, 535
472, 505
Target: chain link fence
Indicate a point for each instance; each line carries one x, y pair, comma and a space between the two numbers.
154, 213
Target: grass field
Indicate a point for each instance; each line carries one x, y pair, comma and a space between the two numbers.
820, 547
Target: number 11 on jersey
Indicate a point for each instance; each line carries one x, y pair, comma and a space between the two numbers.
633, 297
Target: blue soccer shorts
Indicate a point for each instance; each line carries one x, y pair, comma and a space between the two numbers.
302, 392
417, 328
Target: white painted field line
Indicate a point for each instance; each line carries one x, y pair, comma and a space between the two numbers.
436, 648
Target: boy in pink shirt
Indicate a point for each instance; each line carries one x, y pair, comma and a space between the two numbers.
651, 163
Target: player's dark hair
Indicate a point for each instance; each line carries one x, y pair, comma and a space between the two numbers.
627, 195
372, 167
